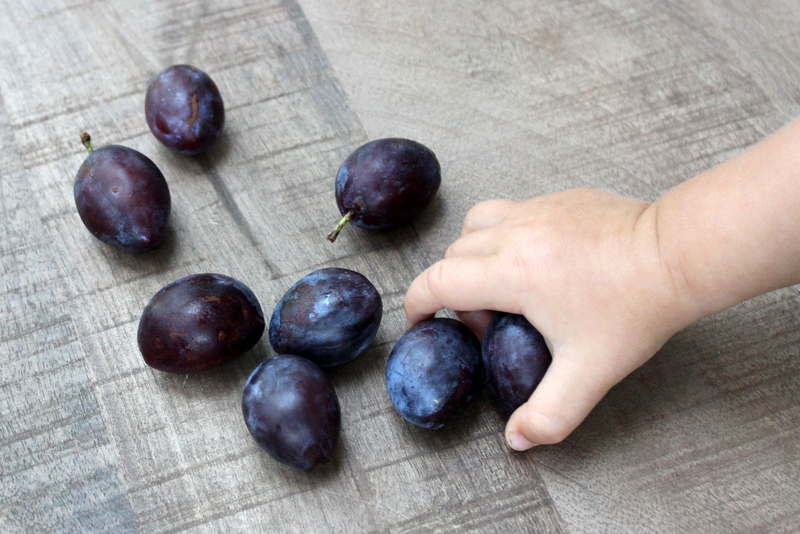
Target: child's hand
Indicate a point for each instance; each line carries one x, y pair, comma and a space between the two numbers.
585, 267
607, 280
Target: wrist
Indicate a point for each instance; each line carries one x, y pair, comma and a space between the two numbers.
730, 233
677, 303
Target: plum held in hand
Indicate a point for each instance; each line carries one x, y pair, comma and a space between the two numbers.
292, 411
515, 359
385, 183
329, 316
199, 322
432, 371
122, 197
184, 109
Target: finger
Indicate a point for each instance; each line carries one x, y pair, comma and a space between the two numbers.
478, 243
485, 215
566, 395
465, 283
477, 321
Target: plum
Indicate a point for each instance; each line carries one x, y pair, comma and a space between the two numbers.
122, 197
515, 359
199, 322
432, 371
329, 316
292, 411
385, 183
184, 109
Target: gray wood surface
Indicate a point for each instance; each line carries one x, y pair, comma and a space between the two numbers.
517, 99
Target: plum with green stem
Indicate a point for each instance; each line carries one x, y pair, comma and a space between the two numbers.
122, 197
385, 183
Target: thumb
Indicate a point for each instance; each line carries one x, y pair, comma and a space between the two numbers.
568, 392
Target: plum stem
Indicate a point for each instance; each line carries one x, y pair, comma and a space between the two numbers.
86, 139
347, 216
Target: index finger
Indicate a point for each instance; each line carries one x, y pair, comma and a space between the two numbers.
462, 283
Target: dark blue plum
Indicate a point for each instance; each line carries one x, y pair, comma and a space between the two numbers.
515, 359
292, 411
432, 371
199, 322
122, 197
184, 109
386, 183
328, 316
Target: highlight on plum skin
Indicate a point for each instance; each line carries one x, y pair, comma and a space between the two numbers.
329, 316
199, 322
432, 372
184, 109
515, 359
385, 183
122, 197
292, 411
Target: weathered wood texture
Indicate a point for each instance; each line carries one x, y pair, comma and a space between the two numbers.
92, 439
522, 98
517, 99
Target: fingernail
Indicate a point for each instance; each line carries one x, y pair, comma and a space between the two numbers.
518, 442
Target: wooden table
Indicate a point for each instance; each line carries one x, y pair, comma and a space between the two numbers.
517, 99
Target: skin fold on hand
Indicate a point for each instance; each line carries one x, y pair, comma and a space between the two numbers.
607, 280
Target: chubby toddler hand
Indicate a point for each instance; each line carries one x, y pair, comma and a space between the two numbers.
586, 269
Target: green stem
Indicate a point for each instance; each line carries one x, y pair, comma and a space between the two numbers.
347, 216
86, 139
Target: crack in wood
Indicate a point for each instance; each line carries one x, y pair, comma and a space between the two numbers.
229, 202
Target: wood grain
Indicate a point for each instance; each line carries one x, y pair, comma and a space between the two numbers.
525, 98
517, 99
94, 440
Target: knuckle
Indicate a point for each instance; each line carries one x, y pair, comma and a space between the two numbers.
473, 216
518, 265
524, 247
435, 278
481, 210
519, 238
583, 193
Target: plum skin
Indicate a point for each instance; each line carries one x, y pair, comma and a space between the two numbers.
184, 109
515, 359
387, 182
122, 198
199, 322
432, 372
292, 411
329, 316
